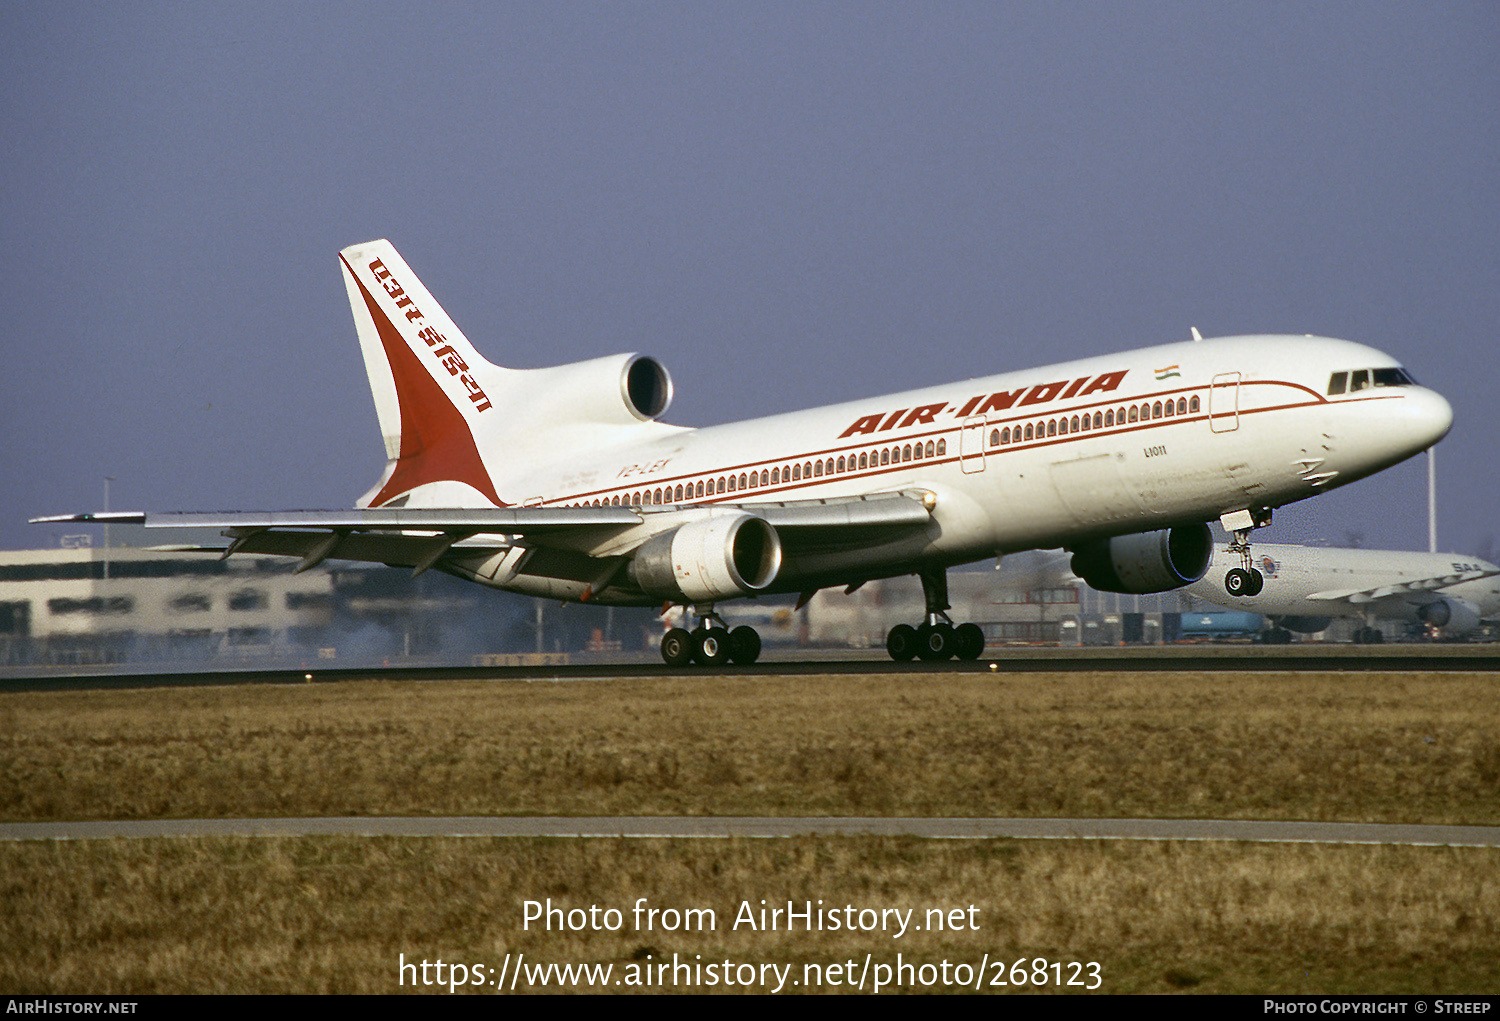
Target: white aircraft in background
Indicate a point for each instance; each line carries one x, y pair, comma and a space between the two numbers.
1306, 587
560, 482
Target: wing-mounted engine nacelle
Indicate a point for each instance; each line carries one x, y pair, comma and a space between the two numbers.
709, 559
614, 390
1147, 562
1454, 617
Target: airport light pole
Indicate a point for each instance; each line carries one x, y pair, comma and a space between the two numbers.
107, 480
1431, 500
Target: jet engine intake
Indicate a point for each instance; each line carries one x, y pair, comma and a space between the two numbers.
1146, 562
615, 390
713, 558
1453, 616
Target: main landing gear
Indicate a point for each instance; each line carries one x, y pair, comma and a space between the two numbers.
936, 638
711, 643
1244, 580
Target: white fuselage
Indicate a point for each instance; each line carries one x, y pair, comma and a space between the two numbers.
1035, 459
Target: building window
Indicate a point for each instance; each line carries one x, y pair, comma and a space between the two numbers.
248, 599
94, 604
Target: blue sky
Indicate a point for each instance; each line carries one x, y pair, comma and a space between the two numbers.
788, 204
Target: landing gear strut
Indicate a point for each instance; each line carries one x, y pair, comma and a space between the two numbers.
936, 638
711, 643
1244, 580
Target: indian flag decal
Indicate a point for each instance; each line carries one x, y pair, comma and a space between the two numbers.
1168, 372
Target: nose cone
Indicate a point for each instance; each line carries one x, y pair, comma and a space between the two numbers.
1426, 416
1389, 431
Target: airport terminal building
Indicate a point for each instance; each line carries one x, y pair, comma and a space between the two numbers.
82, 605
90, 605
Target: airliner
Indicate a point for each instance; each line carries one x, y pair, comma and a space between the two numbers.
1307, 587
563, 482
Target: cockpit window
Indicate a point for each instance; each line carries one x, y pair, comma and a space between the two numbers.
1363, 379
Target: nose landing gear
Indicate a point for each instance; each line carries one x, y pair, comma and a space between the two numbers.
1244, 580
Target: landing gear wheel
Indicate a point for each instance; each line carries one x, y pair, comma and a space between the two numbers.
901, 643
744, 645
677, 647
935, 641
711, 646
1242, 582
968, 641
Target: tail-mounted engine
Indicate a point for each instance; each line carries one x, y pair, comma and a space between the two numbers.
1147, 562
713, 558
614, 390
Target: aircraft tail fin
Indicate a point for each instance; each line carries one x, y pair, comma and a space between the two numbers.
434, 394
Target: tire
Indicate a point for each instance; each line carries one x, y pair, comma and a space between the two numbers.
1257, 582
901, 643
1237, 582
711, 646
744, 645
935, 642
677, 647
968, 641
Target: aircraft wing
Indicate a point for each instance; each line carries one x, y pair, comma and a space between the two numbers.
1417, 587
420, 538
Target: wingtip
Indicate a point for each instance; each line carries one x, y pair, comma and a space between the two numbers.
94, 518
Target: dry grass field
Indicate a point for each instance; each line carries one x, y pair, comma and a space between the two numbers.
334, 914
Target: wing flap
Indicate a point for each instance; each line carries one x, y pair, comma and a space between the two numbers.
562, 542
312, 548
889, 509
507, 520
895, 510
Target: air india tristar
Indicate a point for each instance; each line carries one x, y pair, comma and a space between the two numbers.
562, 483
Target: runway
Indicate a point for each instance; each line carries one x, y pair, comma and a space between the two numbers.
1304, 658
1253, 831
